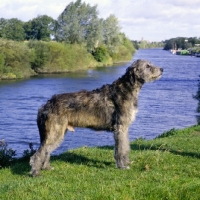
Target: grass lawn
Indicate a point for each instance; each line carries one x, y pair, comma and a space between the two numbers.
165, 168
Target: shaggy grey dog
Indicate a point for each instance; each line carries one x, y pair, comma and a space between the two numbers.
112, 107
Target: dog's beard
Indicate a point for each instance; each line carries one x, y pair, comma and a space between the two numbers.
157, 77
154, 78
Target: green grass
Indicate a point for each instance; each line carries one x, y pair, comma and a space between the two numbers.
165, 168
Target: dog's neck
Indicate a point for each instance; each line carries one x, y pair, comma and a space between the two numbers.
127, 89
138, 84
130, 86
135, 92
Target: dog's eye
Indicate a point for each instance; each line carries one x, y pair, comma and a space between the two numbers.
148, 66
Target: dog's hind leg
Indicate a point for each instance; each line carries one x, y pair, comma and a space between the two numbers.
37, 160
54, 136
40, 160
46, 164
49, 147
122, 147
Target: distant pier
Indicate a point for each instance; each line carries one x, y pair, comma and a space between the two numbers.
184, 52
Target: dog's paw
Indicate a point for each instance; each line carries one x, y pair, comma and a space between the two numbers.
34, 173
123, 167
48, 168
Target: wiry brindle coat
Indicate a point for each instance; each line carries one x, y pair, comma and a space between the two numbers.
112, 107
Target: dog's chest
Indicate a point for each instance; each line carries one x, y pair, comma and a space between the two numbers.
133, 114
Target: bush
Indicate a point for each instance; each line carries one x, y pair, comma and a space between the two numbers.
2, 61
184, 52
129, 45
29, 152
122, 54
24, 59
79, 57
67, 57
100, 54
40, 54
14, 60
6, 155
56, 57
168, 133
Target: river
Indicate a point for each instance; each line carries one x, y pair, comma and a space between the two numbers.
164, 104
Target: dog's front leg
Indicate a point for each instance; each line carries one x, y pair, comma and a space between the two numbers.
122, 146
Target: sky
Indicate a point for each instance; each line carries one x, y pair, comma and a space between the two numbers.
152, 20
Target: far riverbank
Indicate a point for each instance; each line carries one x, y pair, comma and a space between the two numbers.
25, 59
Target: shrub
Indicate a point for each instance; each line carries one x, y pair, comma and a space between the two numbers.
122, 54
168, 133
14, 60
129, 45
51, 57
6, 154
100, 53
29, 152
79, 57
184, 52
40, 53
2, 61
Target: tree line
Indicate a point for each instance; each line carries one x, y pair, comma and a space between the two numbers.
78, 23
78, 27
181, 42
144, 44
39, 28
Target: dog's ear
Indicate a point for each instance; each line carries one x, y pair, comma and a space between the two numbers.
135, 69
131, 76
136, 72
138, 75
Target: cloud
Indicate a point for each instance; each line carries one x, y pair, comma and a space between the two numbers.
184, 3
152, 20
158, 19
29, 9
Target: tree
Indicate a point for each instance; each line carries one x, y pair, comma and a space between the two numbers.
40, 28
127, 43
100, 54
136, 44
3, 23
94, 36
180, 42
1, 62
41, 54
12, 29
194, 40
111, 33
79, 23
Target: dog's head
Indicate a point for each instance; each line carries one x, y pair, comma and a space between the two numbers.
144, 71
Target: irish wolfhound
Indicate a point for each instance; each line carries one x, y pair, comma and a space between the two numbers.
112, 107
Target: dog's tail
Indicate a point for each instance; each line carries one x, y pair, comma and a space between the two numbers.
41, 119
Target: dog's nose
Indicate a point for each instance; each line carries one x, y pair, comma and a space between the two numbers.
161, 69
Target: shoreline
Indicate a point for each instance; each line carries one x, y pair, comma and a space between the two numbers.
99, 65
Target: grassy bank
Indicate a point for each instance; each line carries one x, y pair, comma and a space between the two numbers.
29, 58
164, 168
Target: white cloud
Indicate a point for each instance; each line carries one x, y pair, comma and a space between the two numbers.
152, 20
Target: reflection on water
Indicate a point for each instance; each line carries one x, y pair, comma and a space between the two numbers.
164, 104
